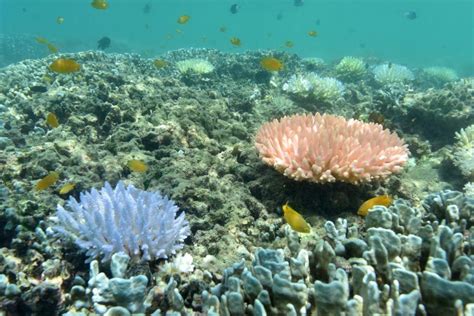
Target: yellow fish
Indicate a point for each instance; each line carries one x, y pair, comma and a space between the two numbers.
160, 63
100, 4
235, 41
47, 181
64, 66
295, 220
67, 188
271, 64
41, 40
52, 120
384, 200
52, 49
137, 165
183, 19
289, 44
313, 33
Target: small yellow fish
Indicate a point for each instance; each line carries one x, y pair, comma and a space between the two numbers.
41, 40
223, 29
52, 120
289, 44
183, 19
384, 200
160, 63
295, 220
68, 187
313, 33
60, 20
47, 181
52, 49
64, 66
100, 4
271, 64
235, 41
137, 165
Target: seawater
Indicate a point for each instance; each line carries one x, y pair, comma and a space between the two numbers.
441, 35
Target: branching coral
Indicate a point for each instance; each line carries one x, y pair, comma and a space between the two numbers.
392, 74
313, 87
350, 69
195, 65
124, 219
327, 148
464, 151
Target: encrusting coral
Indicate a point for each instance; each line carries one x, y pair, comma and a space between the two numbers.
328, 148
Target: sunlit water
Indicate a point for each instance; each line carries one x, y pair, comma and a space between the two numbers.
442, 33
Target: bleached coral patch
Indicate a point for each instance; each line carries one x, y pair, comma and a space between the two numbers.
392, 74
464, 151
314, 87
195, 65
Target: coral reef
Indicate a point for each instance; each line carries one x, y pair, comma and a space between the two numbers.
196, 133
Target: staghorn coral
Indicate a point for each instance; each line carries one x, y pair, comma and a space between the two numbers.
327, 148
392, 74
125, 219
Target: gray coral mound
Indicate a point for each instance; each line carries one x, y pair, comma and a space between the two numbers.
124, 219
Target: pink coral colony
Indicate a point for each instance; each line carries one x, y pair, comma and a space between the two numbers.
328, 148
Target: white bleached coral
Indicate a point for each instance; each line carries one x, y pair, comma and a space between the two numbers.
314, 87
194, 65
440, 75
392, 74
123, 219
464, 151
350, 69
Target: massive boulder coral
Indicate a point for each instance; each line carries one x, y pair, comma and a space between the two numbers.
326, 148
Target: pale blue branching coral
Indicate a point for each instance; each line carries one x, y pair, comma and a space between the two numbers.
123, 219
350, 69
312, 86
464, 151
392, 74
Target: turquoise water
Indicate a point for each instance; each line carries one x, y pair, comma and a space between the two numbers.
442, 34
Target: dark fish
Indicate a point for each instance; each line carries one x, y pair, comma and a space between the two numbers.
103, 43
318, 21
362, 45
234, 8
410, 15
38, 89
279, 16
147, 8
298, 3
